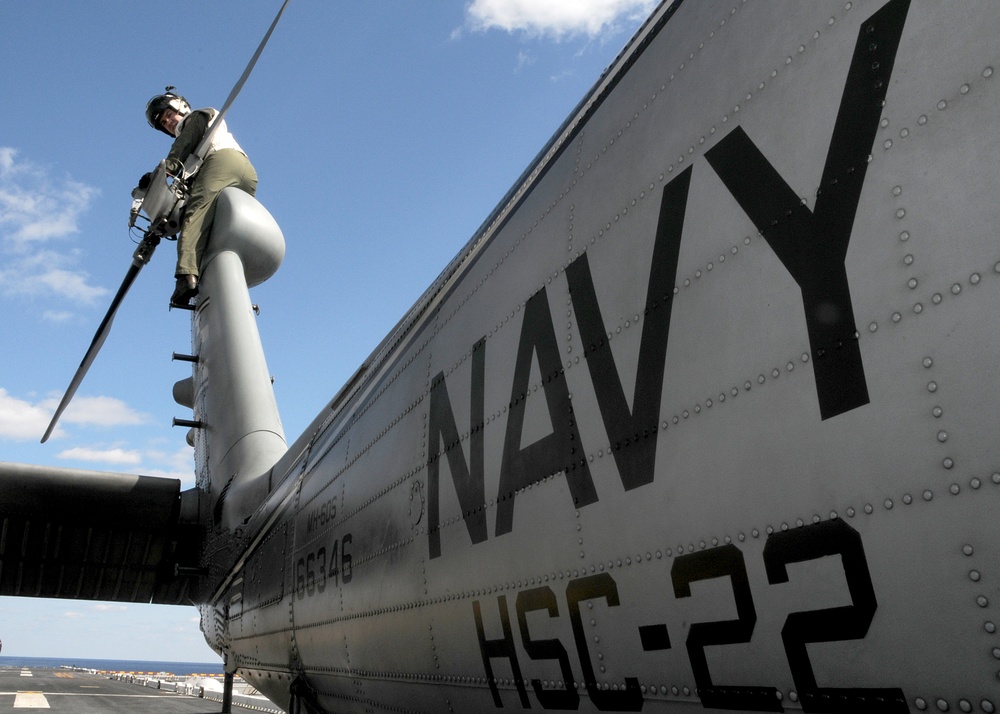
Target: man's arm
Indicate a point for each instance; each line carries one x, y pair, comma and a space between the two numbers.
191, 133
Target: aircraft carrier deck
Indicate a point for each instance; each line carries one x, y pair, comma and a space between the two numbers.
81, 692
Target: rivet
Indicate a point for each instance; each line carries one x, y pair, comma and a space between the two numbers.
932, 386
912, 283
755, 533
942, 105
936, 299
920, 704
995, 478
922, 119
918, 308
974, 278
964, 89
975, 483
955, 489
850, 511
904, 132
896, 317
904, 236
942, 705
888, 504
964, 705
990, 627
908, 259
868, 508
907, 499
942, 436
974, 576
956, 289
888, 145
928, 495
900, 213
873, 327
982, 601
948, 462
987, 706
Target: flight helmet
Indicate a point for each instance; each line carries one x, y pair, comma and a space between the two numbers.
160, 103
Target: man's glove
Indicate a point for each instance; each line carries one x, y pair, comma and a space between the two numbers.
175, 167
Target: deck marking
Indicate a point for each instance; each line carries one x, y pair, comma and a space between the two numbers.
30, 700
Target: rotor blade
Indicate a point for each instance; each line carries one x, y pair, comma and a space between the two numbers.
99, 337
199, 152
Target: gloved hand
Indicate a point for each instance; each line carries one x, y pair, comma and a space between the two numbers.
174, 167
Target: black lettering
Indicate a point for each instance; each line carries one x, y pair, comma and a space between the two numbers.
544, 599
595, 587
499, 649
468, 478
813, 245
633, 433
705, 565
560, 450
345, 559
850, 622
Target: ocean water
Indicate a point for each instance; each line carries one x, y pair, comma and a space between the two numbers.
179, 669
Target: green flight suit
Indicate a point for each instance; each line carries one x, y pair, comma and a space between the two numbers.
221, 169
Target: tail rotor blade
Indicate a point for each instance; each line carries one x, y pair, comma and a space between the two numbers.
142, 256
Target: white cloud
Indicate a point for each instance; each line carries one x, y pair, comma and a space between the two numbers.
556, 18
35, 209
105, 456
21, 420
109, 607
57, 316
64, 283
98, 411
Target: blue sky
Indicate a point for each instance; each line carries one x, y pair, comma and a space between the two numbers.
383, 132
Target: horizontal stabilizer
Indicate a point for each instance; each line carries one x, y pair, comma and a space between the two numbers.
90, 535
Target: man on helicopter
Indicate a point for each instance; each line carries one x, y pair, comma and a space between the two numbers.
225, 164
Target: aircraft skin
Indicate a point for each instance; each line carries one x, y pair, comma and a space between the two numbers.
701, 417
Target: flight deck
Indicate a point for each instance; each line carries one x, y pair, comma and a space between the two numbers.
83, 692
